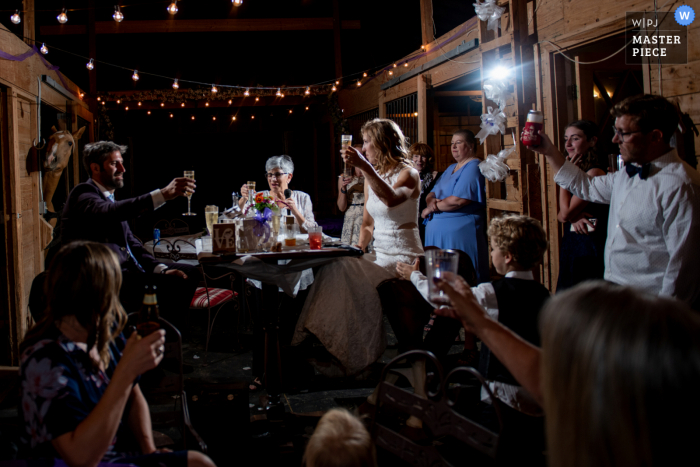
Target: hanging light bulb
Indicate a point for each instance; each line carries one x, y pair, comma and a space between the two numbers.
192, 117
230, 102
213, 118
290, 110
44, 49
182, 105
90, 65
176, 85
246, 92
99, 98
405, 64
334, 88
307, 108
62, 17
171, 115
252, 117
16, 18
139, 104
257, 99
359, 83
162, 104
337, 83
308, 91
104, 103
282, 96
206, 104
149, 112
118, 16
119, 101
214, 89
364, 75
135, 76
278, 93
422, 47
391, 73
237, 2
172, 8
234, 118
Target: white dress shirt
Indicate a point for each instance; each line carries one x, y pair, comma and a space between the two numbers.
514, 396
651, 225
158, 201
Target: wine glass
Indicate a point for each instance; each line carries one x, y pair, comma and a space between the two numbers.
189, 174
211, 214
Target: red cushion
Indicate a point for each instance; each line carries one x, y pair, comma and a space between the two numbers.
217, 297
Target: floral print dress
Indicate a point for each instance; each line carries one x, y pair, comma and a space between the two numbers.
60, 387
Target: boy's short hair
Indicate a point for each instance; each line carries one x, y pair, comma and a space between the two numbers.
340, 440
521, 236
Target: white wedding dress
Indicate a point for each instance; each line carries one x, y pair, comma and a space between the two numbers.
343, 309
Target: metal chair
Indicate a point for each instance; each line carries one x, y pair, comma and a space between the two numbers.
165, 383
204, 297
437, 413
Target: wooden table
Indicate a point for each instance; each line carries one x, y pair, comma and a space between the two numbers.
302, 258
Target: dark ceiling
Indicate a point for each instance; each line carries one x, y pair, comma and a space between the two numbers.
389, 29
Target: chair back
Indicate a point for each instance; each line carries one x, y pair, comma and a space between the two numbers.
437, 412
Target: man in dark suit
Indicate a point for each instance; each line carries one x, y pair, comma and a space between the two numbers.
92, 213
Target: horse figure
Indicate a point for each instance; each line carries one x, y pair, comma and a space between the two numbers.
58, 151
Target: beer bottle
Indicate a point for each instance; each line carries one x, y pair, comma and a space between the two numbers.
149, 314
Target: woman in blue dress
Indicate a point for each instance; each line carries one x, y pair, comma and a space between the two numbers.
456, 207
80, 394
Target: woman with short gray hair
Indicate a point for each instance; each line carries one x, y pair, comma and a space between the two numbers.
279, 171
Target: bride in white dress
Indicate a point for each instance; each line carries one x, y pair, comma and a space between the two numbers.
343, 309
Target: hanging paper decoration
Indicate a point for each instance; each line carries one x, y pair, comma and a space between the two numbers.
489, 11
494, 168
497, 91
491, 123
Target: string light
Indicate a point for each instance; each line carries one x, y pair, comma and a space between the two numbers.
394, 65
176, 85
82, 94
135, 76
139, 104
162, 104
206, 104
126, 108
415, 114
307, 108
192, 117
172, 8
118, 16
90, 65
252, 117
405, 64
214, 89
359, 83
16, 18
182, 105
391, 73
278, 93
422, 47
257, 99
237, 2
148, 113
44, 49
119, 101
213, 118
290, 110
282, 96
364, 75
171, 115
104, 103
234, 118
230, 102
99, 99
247, 92
334, 88
62, 17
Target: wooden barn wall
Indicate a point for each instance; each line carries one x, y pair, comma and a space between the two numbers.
20, 190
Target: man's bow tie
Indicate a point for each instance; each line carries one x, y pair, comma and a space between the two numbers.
633, 170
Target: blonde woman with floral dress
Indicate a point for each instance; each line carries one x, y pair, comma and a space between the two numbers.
351, 201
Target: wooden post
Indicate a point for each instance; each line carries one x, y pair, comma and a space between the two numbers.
28, 19
426, 21
336, 40
422, 91
92, 51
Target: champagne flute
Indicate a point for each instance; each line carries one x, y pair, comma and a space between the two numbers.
345, 141
189, 174
251, 192
211, 214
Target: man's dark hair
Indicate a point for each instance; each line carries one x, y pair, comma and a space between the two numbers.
97, 153
650, 113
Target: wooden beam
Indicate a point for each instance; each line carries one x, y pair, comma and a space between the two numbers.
29, 20
92, 51
426, 21
457, 93
336, 40
423, 85
204, 25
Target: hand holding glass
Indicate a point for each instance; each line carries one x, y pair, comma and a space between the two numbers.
345, 141
189, 174
437, 263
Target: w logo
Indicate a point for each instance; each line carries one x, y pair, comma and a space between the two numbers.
684, 15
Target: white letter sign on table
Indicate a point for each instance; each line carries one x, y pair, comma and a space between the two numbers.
224, 238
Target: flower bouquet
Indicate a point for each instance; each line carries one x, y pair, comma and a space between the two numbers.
265, 207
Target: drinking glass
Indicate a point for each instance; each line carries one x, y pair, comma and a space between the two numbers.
437, 263
615, 162
315, 237
251, 192
211, 215
275, 222
345, 141
189, 174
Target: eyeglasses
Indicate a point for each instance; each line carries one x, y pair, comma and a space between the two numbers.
276, 175
622, 135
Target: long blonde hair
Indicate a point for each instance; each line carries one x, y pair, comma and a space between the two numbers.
340, 440
620, 373
392, 147
84, 280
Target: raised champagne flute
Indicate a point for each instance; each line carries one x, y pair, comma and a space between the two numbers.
189, 174
345, 141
